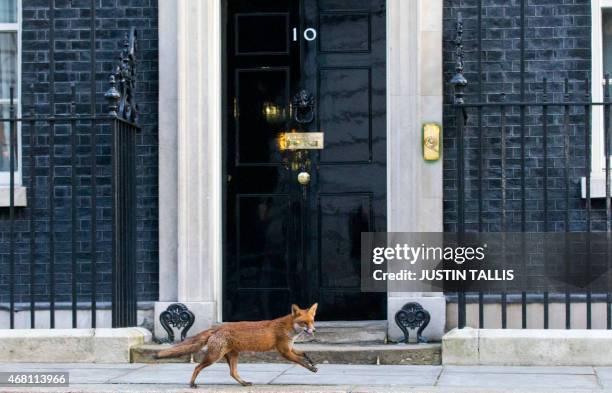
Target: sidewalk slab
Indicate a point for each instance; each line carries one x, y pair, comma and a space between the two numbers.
206, 377
566, 370
461, 389
331, 374
334, 379
357, 369
94, 376
271, 378
528, 380
218, 373
604, 375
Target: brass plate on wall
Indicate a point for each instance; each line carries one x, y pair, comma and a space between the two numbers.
301, 141
432, 139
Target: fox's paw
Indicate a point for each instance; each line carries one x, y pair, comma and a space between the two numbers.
313, 369
193, 386
244, 383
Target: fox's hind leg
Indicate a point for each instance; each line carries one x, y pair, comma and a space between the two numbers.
197, 370
215, 350
232, 360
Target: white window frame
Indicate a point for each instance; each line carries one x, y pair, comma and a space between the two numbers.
15, 27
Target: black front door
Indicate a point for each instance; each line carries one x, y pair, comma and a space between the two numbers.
287, 242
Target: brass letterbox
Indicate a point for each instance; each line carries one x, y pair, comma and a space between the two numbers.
301, 141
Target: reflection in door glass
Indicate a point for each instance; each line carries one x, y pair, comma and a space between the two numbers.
262, 108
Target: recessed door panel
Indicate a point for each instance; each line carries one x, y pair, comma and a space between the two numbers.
344, 108
342, 219
262, 33
264, 241
345, 31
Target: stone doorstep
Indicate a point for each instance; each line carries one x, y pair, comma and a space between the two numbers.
348, 332
528, 347
412, 354
70, 345
341, 332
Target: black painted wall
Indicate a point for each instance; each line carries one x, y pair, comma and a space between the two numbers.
557, 46
73, 63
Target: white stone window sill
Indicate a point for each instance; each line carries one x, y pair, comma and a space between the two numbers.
21, 199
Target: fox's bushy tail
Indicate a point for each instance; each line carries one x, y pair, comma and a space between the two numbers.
190, 345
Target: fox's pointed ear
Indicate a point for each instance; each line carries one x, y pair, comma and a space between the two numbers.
295, 310
313, 309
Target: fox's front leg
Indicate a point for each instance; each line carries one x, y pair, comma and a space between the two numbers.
289, 354
304, 355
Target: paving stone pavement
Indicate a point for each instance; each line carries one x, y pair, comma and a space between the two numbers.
331, 378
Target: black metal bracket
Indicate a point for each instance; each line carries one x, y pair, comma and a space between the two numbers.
178, 316
412, 316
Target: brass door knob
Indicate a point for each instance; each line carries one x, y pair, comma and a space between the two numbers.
303, 178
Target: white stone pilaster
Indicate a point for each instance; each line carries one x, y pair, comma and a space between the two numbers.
192, 36
168, 163
414, 34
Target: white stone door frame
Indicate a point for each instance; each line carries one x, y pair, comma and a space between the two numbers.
190, 151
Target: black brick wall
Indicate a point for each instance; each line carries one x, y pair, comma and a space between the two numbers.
557, 46
72, 57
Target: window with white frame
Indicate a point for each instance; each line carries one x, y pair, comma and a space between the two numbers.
10, 60
601, 64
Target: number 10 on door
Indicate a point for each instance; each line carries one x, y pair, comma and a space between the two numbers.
310, 34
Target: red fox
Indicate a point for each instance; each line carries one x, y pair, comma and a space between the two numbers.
229, 339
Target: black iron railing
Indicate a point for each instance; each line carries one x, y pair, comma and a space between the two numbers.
79, 225
557, 133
